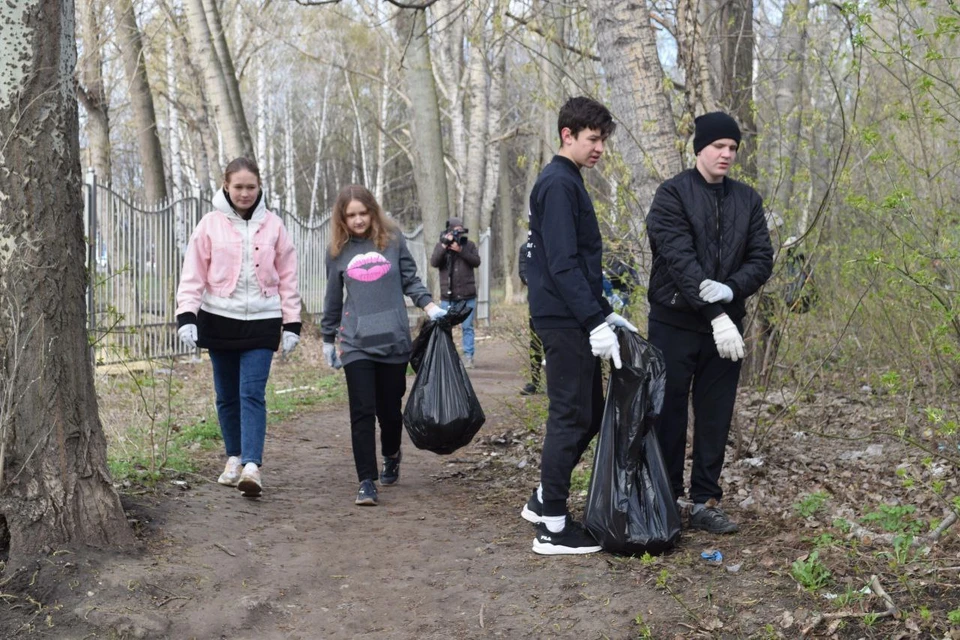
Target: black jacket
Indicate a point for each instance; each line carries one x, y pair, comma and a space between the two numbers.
698, 233
564, 250
463, 285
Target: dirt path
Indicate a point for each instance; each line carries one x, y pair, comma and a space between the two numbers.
446, 555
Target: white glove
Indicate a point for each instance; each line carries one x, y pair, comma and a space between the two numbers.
728, 338
604, 343
188, 335
330, 355
289, 340
618, 320
436, 312
713, 291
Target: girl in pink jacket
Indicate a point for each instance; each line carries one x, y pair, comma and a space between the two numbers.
238, 298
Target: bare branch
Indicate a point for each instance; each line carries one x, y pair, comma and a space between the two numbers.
560, 43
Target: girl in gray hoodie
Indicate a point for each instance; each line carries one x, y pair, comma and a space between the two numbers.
368, 257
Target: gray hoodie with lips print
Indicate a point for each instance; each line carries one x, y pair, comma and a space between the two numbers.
372, 321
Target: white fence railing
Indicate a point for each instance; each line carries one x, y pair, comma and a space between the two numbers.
134, 257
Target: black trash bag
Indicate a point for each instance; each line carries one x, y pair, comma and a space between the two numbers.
630, 506
442, 412
456, 314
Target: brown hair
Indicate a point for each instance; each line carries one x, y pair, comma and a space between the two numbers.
382, 229
241, 164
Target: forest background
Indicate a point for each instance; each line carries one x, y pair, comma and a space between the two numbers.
849, 112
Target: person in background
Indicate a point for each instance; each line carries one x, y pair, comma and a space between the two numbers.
711, 251
238, 298
456, 256
369, 257
536, 346
572, 318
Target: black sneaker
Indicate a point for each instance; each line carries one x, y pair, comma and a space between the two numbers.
533, 510
529, 389
712, 519
573, 540
391, 470
367, 495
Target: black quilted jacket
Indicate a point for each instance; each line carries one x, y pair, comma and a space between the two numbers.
697, 233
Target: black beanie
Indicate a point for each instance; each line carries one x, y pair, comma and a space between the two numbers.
711, 127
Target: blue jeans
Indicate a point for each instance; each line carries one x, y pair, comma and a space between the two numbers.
240, 379
467, 324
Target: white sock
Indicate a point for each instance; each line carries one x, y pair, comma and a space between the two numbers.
554, 523
540, 493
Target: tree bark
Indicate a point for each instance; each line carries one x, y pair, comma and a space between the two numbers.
429, 170
646, 137
229, 72
736, 77
91, 90
473, 174
215, 84
789, 99
144, 114
55, 489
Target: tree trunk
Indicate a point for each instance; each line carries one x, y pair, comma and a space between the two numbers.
144, 114
428, 168
646, 136
789, 99
494, 141
229, 72
508, 222
736, 78
449, 37
473, 174
215, 84
551, 82
55, 489
692, 55
91, 90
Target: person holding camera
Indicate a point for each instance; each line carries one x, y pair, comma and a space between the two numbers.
456, 256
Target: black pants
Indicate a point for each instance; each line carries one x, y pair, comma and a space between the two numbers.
692, 357
536, 356
375, 391
575, 392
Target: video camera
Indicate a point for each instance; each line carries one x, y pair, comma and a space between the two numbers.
459, 236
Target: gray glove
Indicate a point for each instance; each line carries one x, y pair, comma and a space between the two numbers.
188, 335
330, 355
289, 341
713, 291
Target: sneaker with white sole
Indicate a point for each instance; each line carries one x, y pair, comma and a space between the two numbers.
390, 473
250, 484
367, 494
231, 472
572, 540
533, 510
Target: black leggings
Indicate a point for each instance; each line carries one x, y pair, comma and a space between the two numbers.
375, 390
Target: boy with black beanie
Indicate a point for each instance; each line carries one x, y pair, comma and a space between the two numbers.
711, 251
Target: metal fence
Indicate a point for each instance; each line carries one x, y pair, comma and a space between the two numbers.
135, 253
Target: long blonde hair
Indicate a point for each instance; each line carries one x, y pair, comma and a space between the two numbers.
382, 229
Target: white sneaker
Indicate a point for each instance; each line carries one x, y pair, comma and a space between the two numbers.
249, 483
231, 472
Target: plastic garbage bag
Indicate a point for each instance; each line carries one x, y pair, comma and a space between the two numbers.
456, 314
630, 507
442, 412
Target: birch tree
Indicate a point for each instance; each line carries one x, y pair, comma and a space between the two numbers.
428, 168
55, 488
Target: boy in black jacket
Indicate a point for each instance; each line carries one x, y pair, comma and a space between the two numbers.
571, 316
711, 251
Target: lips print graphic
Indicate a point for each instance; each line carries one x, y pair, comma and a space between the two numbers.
368, 267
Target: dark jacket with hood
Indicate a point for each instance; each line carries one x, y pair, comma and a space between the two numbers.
699, 231
463, 285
